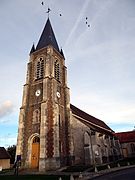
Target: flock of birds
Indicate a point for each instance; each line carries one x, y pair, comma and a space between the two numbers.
87, 22
48, 11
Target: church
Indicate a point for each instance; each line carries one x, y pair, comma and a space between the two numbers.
53, 133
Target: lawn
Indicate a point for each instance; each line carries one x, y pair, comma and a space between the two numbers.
33, 177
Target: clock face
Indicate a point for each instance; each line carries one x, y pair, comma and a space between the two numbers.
38, 92
58, 94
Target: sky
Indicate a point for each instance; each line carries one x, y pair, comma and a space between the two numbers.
100, 58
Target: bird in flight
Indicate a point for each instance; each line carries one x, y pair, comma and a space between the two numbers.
42, 3
87, 22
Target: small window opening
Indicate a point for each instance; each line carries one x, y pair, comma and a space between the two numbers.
40, 68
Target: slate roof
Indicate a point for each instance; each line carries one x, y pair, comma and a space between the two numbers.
61, 52
47, 37
125, 137
90, 119
32, 49
4, 154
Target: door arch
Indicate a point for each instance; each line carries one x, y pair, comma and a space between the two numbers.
35, 152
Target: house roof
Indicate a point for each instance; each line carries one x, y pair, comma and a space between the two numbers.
125, 137
90, 119
47, 37
4, 154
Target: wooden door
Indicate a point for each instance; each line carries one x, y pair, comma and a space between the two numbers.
125, 152
35, 153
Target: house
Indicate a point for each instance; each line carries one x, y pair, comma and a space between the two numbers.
4, 158
127, 141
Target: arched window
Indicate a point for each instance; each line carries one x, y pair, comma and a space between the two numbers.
86, 139
36, 140
133, 147
40, 68
88, 154
36, 114
57, 70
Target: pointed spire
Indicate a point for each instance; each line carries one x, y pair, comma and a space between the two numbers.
47, 37
32, 49
61, 52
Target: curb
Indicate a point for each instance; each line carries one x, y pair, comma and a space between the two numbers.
108, 171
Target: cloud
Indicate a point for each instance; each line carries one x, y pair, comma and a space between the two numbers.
81, 14
6, 108
106, 107
99, 11
8, 140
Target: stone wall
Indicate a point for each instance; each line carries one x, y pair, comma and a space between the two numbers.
91, 146
128, 149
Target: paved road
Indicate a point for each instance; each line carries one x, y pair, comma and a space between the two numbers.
126, 174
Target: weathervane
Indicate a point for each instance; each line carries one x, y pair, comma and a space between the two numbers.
48, 10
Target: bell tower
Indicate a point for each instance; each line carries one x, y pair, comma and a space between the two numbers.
44, 139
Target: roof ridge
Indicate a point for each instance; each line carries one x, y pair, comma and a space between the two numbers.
125, 132
88, 114
89, 117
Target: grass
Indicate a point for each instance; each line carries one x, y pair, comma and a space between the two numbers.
9, 175
78, 168
33, 177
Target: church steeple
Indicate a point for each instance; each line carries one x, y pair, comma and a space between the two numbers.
47, 37
44, 121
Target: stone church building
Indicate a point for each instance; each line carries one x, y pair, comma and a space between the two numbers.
52, 132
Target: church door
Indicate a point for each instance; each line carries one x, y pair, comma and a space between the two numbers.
35, 153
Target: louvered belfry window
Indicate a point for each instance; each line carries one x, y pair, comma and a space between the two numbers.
40, 68
57, 70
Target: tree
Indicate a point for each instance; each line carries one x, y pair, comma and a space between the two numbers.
12, 150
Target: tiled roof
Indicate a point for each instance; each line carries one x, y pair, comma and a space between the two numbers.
4, 154
90, 119
126, 136
47, 37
